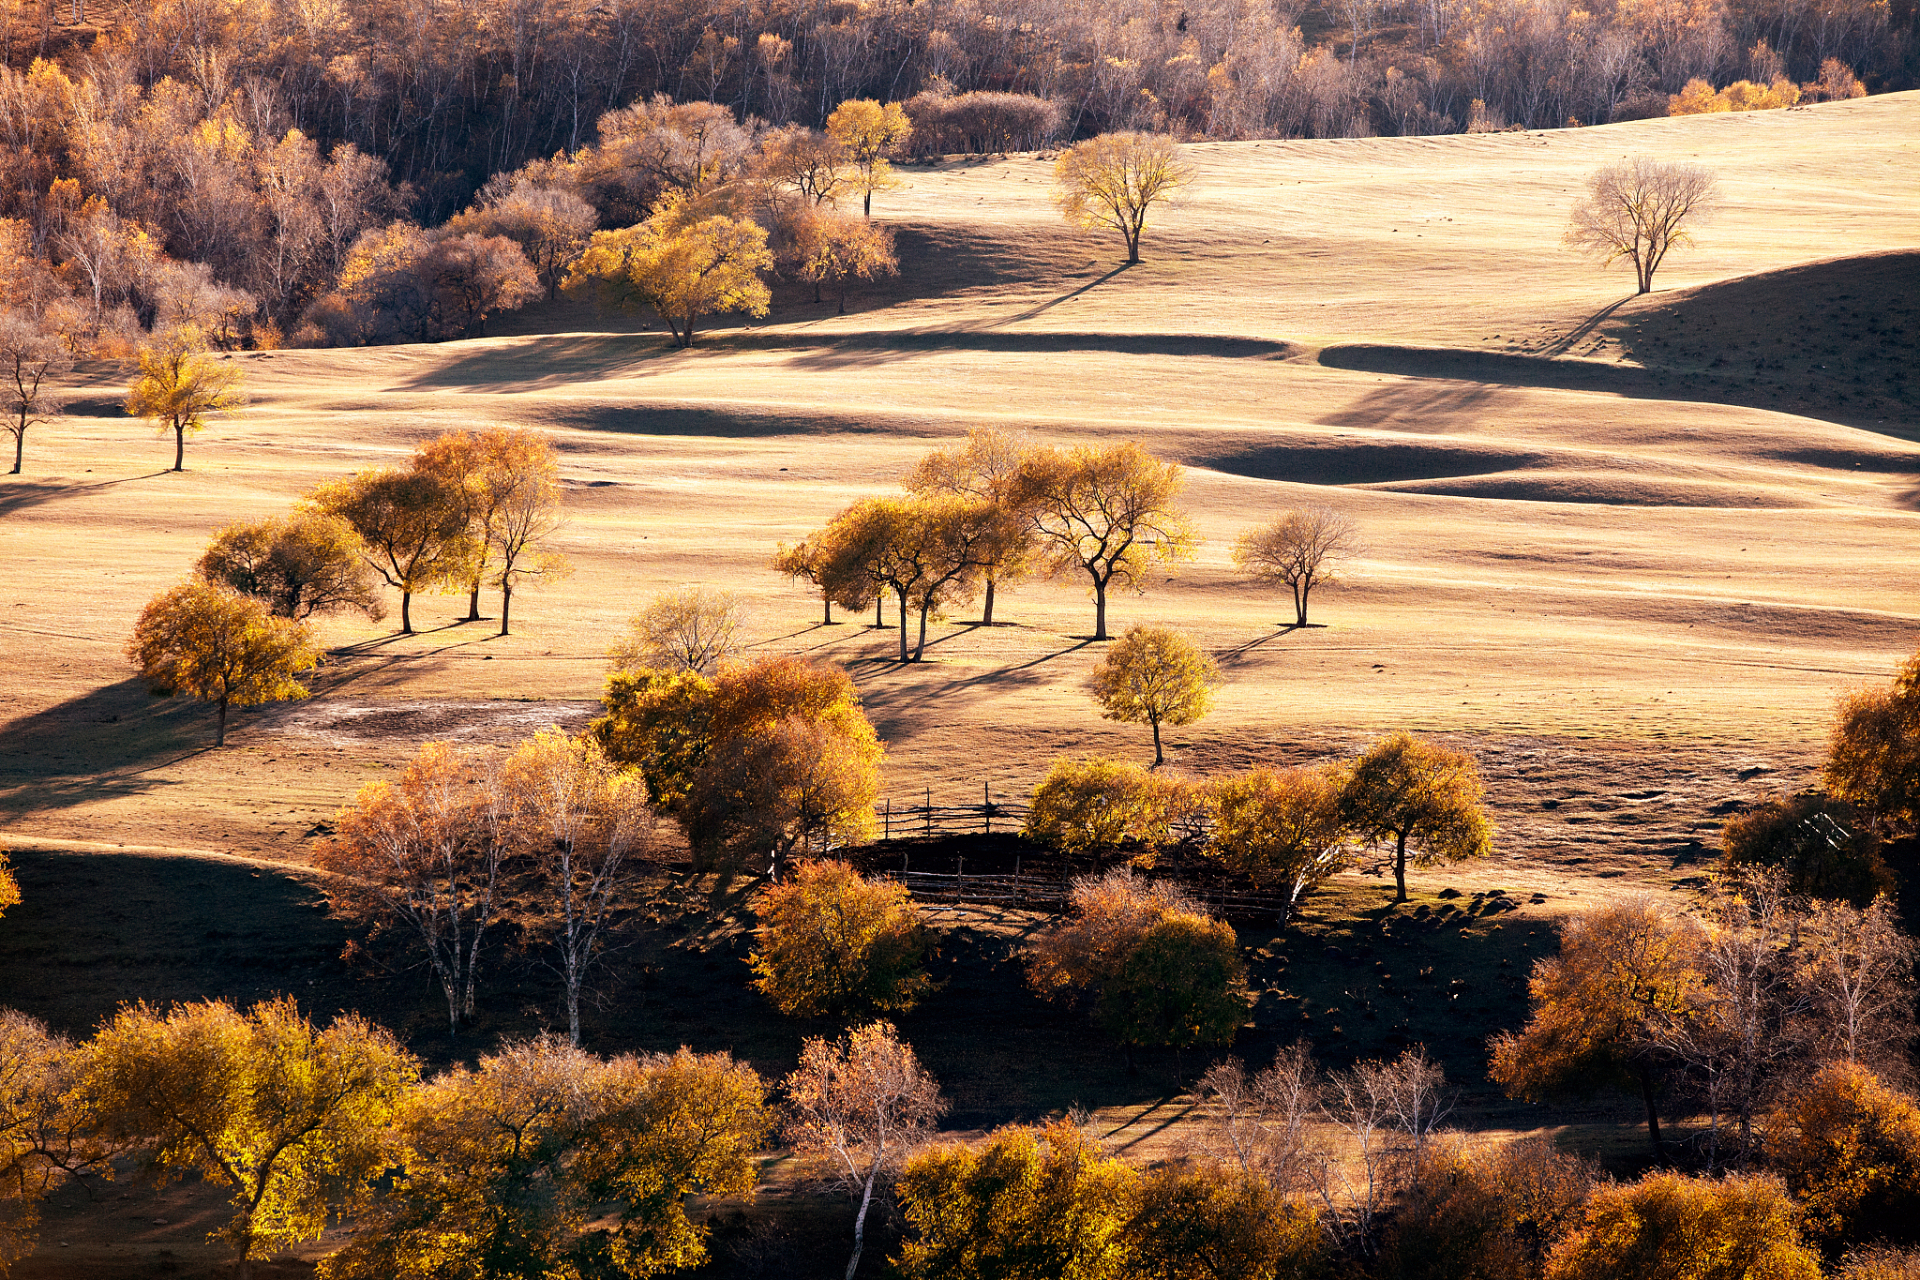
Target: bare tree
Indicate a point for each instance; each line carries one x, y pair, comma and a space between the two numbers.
691, 629
1856, 967
1639, 210
864, 1104
1263, 1118
1300, 551
1388, 1111
30, 358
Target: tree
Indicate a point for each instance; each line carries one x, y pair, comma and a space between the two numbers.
292, 1119
46, 1126
546, 1161
1088, 806
863, 1104
1671, 1227
1484, 1212
1854, 968
30, 359
551, 225
222, 647
1639, 210
180, 386
1817, 842
1849, 1149
1105, 511
682, 265
692, 629
1029, 1205
817, 559
833, 943
1155, 675
1300, 551
1597, 1008
1280, 828
472, 276
869, 133
1879, 1262
1113, 180
1873, 752
1420, 795
1209, 1222
507, 479
929, 551
813, 164
298, 566
583, 820
428, 853
830, 247
1388, 1113
1264, 1119
414, 526
986, 468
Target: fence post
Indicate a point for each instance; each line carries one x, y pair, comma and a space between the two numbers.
986, 805
888, 819
1016, 879
929, 813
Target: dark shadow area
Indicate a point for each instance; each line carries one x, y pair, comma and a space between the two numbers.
101, 745
1567, 341
1366, 462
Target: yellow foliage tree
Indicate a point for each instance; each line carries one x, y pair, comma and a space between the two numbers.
1671, 1227
986, 468
834, 943
9, 887
1873, 751
1299, 551
1155, 676
290, 1118
1031, 1204
413, 527
1421, 796
1207, 1222
1114, 179
46, 1125
179, 386
1280, 828
830, 247
1849, 1148
1086, 806
682, 265
546, 1161
508, 481
299, 565
222, 647
1698, 97
869, 133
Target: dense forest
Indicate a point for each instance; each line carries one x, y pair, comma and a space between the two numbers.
218, 160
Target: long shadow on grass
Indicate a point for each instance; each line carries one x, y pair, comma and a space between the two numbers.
102, 744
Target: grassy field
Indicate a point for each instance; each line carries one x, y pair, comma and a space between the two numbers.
1627, 552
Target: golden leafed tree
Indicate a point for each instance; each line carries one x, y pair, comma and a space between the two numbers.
1106, 511
1205, 1220
9, 887
1155, 676
546, 1161
31, 358
1873, 752
1281, 828
692, 629
1029, 1203
582, 821
47, 1130
1599, 1009
821, 559
289, 1118
179, 386
507, 481
414, 527
683, 265
1093, 805
1668, 1226
986, 468
833, 248
1640, 210
815, 165
1849, 1148
833, 943
1423, 798
1300, 551
861, 1105
1114, 179
427, 853
213, 643
298, 565
870, 134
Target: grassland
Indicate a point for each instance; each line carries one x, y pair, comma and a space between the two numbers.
1628, 552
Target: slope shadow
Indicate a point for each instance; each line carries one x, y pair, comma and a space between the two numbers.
103, 744
1366, 462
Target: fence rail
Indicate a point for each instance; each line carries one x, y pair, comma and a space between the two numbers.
1049, 892
927, 819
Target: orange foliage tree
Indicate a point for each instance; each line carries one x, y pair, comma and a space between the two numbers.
833, 942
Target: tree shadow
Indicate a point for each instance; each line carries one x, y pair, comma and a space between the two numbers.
18, 494
1070, 295
104, 744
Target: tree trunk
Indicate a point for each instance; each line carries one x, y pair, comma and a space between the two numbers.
1653, 1116
903, 626
179, 446
1158, 757
920, 650
1300, 604
220, 729
406, 613
843, 296
826, 609
473, 603
1400, 867
866, 205
1099, 610
879, 604
986, 611
860, 1222
506, 606
816, 292
19, 448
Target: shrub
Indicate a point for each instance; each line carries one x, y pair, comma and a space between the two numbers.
1815, 840
1669, 1226
833, 944
1086, 806
1489, 1215
980, 123
1208, 1222
1849, 1148
1873, 754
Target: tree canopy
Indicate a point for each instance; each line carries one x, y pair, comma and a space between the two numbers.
833, 943
1423, 797
180, 386
1155, 676
213, 643
681, 264
1113, 180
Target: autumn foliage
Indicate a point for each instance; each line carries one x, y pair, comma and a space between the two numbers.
833, 943
217, 645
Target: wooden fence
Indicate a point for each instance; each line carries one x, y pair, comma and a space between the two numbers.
925, 820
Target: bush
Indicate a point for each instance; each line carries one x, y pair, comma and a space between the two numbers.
1815, 840
1212, 1223
1484, 1215
1873, 754
1849, 1148
1086, 806
834, 944
1669, 1226
1280, 828
980, 123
